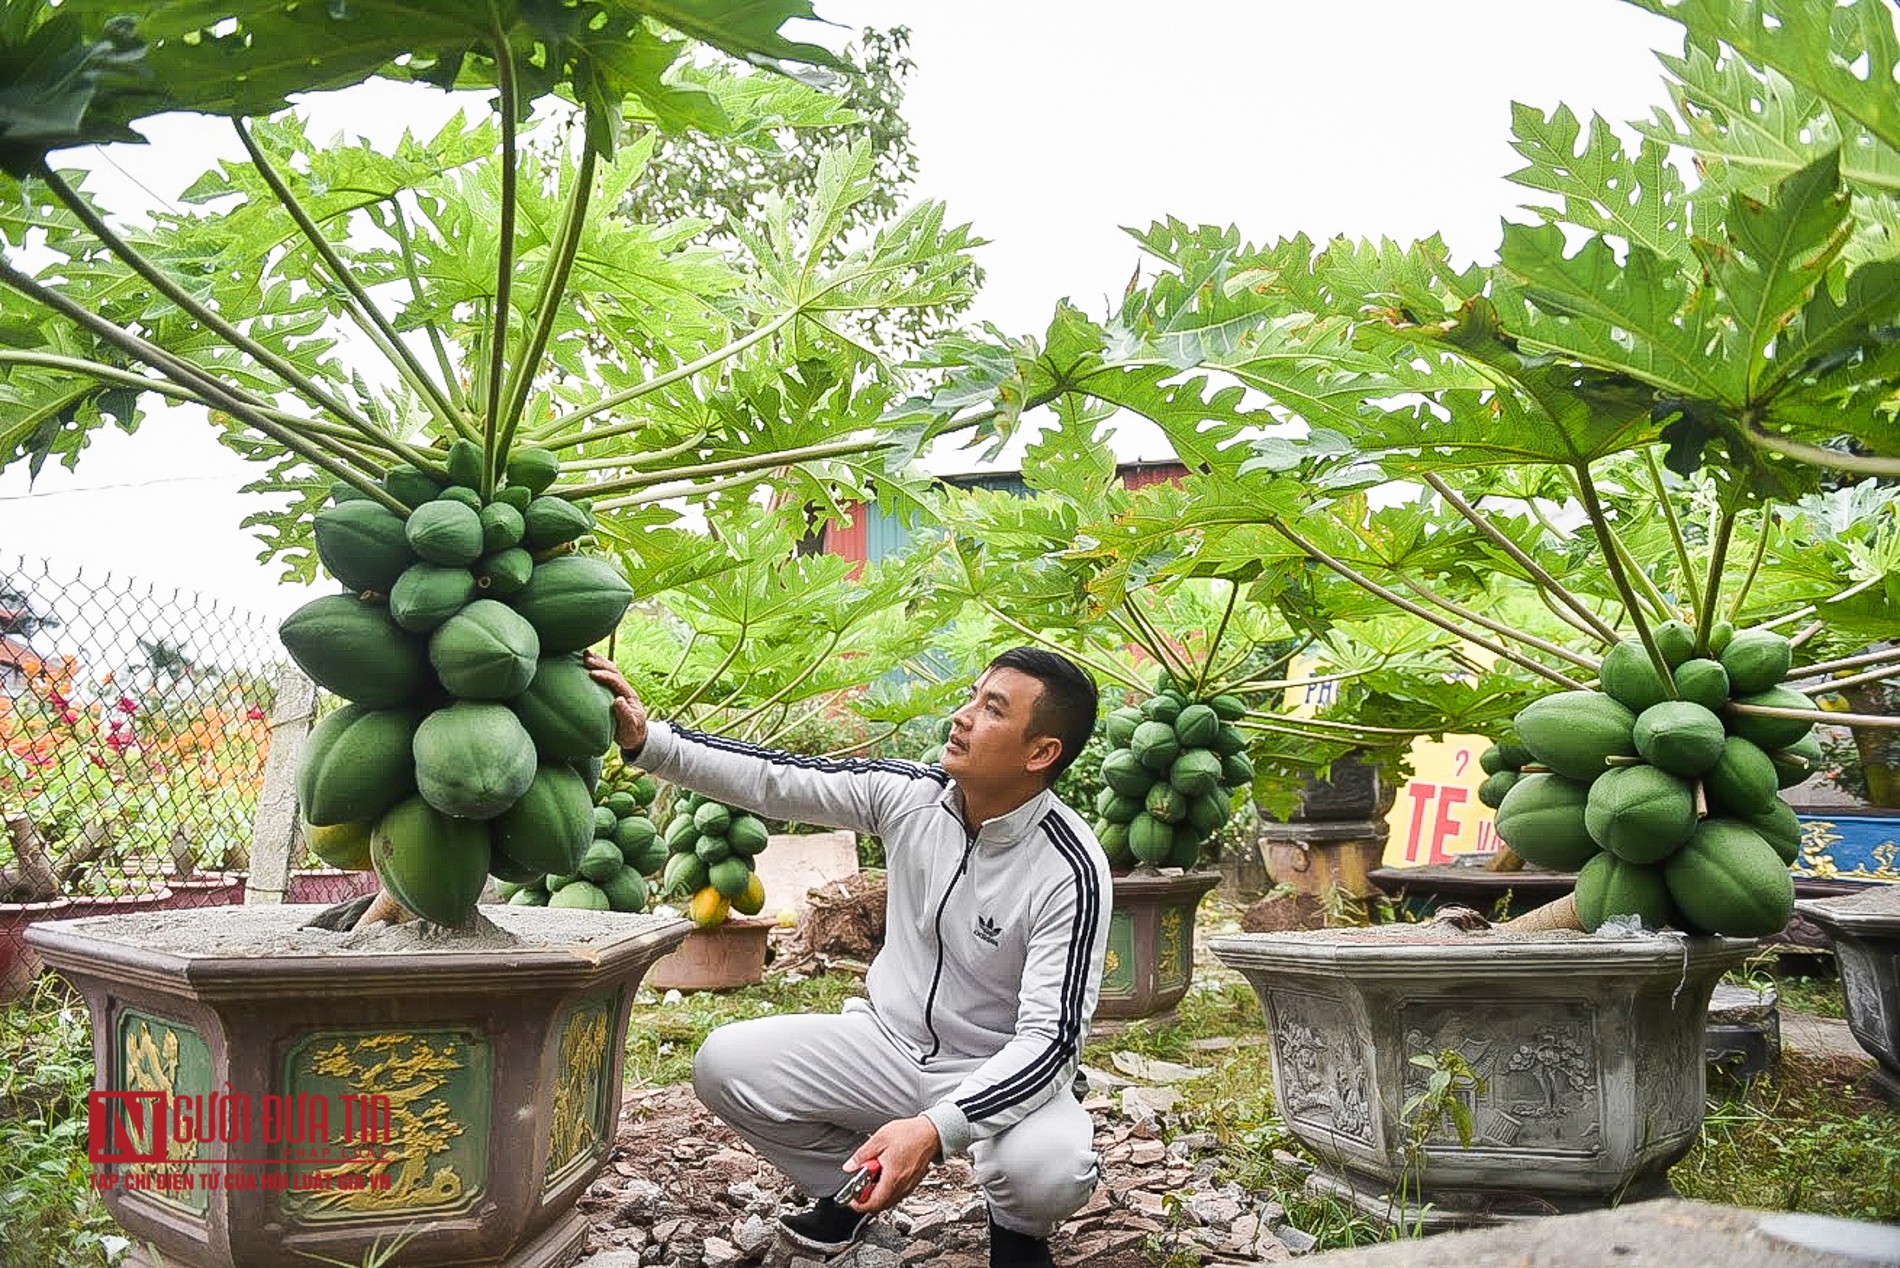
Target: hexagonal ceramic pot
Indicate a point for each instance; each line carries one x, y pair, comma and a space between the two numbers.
1150, 958
1588, 1053
277, 1097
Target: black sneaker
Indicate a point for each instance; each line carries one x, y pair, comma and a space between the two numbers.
1010, 1249
824, 1227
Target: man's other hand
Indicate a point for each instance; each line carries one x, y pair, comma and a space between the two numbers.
904, 1148
630, 716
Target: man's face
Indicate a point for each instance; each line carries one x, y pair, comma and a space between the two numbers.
989, 736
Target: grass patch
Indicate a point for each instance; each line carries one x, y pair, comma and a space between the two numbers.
661, 1037
1803, 1138
52, 1214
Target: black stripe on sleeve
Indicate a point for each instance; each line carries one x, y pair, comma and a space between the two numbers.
1044, 1066
822, 765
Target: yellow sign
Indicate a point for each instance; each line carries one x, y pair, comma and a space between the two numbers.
1437, 813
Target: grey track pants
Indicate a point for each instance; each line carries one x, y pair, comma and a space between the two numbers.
806, 1089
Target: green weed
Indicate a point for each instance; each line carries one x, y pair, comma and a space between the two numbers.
52, 1213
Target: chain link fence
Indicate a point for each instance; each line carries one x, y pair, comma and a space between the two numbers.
134, 727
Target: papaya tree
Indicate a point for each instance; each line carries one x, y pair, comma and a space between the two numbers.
459, 361
1738, 335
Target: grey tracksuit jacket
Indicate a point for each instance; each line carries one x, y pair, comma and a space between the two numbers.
994, 942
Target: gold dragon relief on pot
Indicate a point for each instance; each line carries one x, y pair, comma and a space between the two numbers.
1534, 1079
156, 1055
1312, 1080
1174, 951
433, 1155
583, 1067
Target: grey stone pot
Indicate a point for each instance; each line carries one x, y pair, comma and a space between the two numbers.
1589, 1053
1865, 929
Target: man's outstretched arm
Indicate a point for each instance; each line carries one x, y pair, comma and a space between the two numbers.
858, 794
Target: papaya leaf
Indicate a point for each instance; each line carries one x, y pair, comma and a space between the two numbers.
1830, 329
1845, 53
67, 80
1639, 198
1750, 126
1638, 317
1777, 252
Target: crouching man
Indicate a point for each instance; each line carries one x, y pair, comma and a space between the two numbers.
979, 1001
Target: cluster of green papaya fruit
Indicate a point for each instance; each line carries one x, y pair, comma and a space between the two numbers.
1663, 797
1173, 766
710, 847
473, 735
612, 875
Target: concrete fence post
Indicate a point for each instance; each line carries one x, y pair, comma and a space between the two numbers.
274, 830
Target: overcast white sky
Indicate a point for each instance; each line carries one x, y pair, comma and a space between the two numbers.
1048, 124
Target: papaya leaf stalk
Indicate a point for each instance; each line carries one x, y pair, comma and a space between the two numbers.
553, 284
451, 385
189, 376
555, 435
1879, 721
1547, 584
363, 310
1425, 614
1754, 565
1613, 562
1819, 455
649, 456
1496, 627
1220, 631
1823, 668
134, 259
507, 105
1670, 517
762, 462
1859, 680
1718, 559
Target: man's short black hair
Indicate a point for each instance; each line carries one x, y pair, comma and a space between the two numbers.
1066, 708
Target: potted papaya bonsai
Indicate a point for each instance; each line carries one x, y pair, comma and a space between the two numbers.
1728, 347
444, 359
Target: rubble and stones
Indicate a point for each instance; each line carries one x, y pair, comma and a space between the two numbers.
681, 1190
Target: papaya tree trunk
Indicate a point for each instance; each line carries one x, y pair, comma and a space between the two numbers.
1879, 749
31, 879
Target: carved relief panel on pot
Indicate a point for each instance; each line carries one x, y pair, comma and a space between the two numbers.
1313, 1081
1536, 1071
